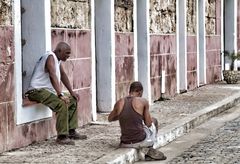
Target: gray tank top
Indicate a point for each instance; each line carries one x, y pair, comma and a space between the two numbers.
131, 124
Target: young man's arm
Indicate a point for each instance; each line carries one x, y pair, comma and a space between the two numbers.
146, 114
66, 82
113, 116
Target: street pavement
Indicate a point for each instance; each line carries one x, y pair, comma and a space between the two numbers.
222, 147
215, 141
176, 117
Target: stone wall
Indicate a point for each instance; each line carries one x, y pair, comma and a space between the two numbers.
191, 17
123, 16
6, 12
71, 14
162, 16
210, 17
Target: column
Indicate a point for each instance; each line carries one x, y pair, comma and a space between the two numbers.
143, 48
105, 57
181, 46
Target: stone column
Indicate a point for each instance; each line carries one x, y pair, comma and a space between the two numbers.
143, 47
93, 56
181, 45
105, 57
201, 33
230, 23
135, 34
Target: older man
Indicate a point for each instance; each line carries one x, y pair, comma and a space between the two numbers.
45, 88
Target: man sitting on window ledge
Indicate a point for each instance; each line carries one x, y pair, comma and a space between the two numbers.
45, 88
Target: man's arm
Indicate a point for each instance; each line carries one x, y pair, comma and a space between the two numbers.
113, 116
50, 68
146, 114
66, 82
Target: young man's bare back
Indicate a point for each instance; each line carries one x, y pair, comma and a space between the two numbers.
138, 128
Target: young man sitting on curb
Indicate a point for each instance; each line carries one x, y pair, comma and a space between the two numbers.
138, 128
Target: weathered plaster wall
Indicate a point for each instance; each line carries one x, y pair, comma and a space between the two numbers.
191, 17
162, 15
124, 66
191, 44
163, 57
6, 63
73, 18
6, 83
213, 40
210, 17
213, 58
78, 67
71, 13
191, 62
15, 136
124, 63
7, 60
5, 12
123, 16
11, 135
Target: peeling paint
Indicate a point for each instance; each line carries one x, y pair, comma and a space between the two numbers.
4, 65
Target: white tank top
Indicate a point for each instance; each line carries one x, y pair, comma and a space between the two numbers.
40, 78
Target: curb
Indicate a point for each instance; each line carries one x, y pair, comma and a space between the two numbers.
173, 131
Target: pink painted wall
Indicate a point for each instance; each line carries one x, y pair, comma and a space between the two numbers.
6, 83
191, 62
213, 50
78, 68
124, 67
213, 58
12, 136
163, 57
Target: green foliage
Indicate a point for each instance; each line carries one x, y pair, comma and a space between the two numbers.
232, 56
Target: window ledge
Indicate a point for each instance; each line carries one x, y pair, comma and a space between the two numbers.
27, 102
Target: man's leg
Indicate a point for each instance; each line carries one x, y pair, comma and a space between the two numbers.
56, 105
155, 122
154, 154
73, 120
72, 113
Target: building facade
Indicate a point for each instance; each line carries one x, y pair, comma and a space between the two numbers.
171, 46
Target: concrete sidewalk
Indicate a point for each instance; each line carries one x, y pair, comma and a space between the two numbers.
176, 117
182, 113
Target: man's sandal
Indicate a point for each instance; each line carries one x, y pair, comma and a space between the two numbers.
154, 154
